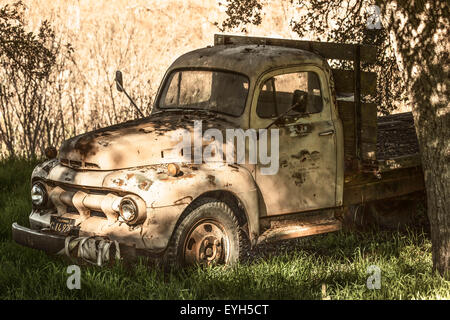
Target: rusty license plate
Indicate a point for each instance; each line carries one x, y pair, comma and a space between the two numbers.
61, 224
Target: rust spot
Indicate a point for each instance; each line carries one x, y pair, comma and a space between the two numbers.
185, 176
119, 182
299, 178
130, 175
145, 185
212, 179
144, 130
315, 155
304, 155
301, 155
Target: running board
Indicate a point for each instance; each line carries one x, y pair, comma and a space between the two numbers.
297, 231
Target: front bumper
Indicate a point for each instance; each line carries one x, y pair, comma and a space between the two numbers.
53, 244
37, 239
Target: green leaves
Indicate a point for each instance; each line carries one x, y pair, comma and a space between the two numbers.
29, 53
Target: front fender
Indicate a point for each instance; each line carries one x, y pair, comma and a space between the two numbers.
42, 170
166, 197
172, 194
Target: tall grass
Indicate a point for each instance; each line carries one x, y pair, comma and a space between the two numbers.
14, 190
330, 266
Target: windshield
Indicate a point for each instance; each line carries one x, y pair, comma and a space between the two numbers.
217, 91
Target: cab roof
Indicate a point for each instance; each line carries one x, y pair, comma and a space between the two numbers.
248, 59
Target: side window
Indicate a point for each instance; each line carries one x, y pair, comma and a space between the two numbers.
279, 93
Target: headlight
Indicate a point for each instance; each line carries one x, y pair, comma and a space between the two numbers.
128, 209
132, 209
38, 194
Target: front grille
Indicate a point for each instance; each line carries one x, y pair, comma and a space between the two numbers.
98, 214
94, 213
96, 203
79, 164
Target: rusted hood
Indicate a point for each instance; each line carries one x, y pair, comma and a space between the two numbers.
135, 143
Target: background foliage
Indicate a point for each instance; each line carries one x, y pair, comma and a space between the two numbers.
352, 21
88, 40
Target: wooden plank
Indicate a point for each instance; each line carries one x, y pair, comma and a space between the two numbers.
369, 134
368, 112
392, 184
368, 129
328, 50
344, 79
347, 115
368, 143
408, 161
368, 151
357, 98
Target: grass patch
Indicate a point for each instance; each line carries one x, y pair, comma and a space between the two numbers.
295, 269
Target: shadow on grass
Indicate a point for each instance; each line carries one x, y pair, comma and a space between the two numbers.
331, 265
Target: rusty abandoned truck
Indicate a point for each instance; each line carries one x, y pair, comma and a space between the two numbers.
115, 188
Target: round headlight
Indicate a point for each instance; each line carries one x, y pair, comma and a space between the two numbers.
38, 194
128, 209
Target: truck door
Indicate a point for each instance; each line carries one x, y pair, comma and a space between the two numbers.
306, 178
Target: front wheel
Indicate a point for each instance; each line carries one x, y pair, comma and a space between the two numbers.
208, 235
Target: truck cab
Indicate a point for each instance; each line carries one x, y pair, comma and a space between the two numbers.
133, 186
310, 143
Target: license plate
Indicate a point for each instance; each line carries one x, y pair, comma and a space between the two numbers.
61, 224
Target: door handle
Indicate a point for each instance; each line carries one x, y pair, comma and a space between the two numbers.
326, 133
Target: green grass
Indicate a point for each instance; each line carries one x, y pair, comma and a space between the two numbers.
296, 269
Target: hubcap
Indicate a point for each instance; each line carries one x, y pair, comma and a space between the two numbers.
206, 244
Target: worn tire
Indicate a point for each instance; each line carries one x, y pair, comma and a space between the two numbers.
206, 211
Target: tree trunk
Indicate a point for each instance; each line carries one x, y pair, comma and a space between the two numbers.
419, 36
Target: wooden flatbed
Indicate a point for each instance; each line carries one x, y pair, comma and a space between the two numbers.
398, 170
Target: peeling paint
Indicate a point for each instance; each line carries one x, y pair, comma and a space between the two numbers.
305, 155
299, 178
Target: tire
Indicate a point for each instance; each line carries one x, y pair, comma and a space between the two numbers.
208, 234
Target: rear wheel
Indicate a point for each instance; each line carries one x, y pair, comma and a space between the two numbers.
209, 234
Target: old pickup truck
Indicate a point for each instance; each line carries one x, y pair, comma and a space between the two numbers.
126, 190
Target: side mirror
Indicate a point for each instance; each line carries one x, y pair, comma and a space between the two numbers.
119, 81
299, 101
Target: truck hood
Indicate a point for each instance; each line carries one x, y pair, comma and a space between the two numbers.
136, 143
